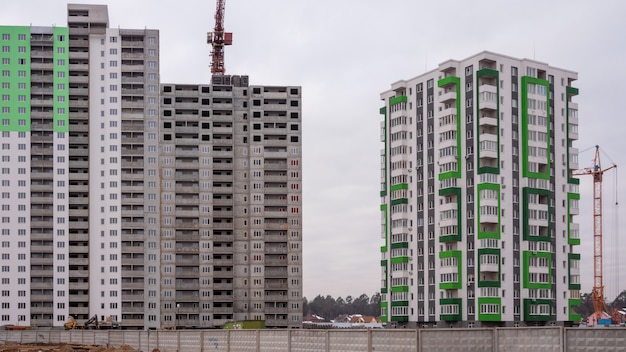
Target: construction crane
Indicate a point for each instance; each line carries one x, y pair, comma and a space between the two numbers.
218, 38
597, 172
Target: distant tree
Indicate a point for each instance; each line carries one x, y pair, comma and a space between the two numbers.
619, 301
305, 307
374, 306
341, 306
349, 300
360, 304
330, 308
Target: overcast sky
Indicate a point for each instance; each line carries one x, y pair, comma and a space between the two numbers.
344, 53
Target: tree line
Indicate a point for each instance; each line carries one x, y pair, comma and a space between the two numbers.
329, 308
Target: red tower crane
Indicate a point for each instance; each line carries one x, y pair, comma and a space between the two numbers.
218, 38
597, 172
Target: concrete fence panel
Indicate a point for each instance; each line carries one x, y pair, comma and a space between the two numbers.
548, 339
62, 336
190, 341
148, 340
551, 339
133, 339
595, 339
13, 336
56, 336
461, 340
81, 336
274, 340
309, 340
29, 336
168, 341
243, 340
215, 341
101, 337
348, 340
117, 337
393, 340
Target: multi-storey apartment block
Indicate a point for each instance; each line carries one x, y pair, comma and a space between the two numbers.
155, 205
478, 198
230, 161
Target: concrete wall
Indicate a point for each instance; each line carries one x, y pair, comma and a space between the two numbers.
556, 339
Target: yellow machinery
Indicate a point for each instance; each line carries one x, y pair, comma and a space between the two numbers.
70, 324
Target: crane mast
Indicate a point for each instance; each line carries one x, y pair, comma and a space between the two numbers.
597, 172
218, 39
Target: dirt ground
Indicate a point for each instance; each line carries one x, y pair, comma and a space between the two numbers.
64, 347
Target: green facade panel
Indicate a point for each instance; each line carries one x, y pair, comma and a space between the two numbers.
397, 260
398, 99
528, 302
570, 91
61, 80
489, 316
455, 191
15, 79
524, 125
459, 262
399, 186
526, 283
484, 282
570, 257
456, 81
526, 191
495, 74
452, 301
399, 201
572, 315
571, 240
384, 307
385, 215
481, 232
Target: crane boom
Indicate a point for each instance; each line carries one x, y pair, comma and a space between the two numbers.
218, 39
597, 172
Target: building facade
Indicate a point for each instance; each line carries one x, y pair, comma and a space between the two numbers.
477, 196
155, 205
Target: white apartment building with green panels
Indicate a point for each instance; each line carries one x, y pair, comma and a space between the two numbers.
478, 202
34, 62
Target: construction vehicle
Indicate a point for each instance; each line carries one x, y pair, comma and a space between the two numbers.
107, 323
92, 323
70, 324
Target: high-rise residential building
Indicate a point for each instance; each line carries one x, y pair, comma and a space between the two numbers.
478, 198
158, 205
231, 207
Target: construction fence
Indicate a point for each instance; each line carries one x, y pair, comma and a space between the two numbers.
545, 339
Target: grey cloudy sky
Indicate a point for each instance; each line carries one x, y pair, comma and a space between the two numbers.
344, 53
